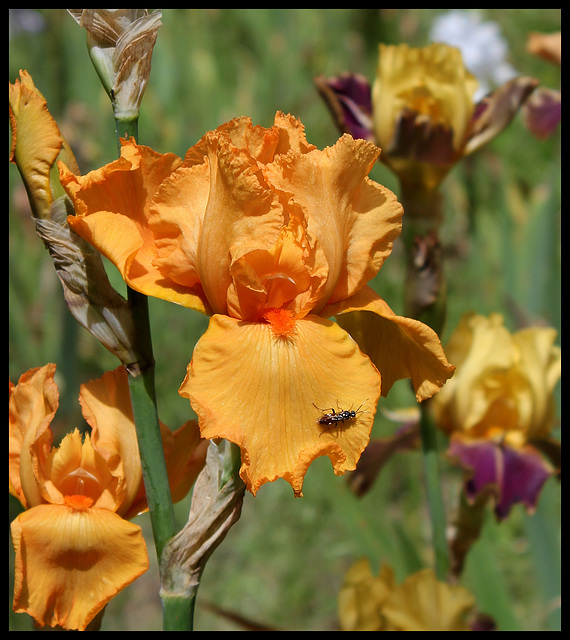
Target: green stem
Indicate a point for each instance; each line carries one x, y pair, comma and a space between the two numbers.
433, 490
425, 300
178, 612
126, 129
143, 401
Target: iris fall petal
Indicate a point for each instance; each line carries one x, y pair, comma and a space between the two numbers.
259, 390
400, 347
70, 563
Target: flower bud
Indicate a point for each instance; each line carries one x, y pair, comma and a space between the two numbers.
120, 43
37, 144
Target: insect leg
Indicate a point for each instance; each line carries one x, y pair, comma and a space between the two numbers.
325, 410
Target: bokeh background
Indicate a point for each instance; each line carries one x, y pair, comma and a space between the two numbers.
283, 563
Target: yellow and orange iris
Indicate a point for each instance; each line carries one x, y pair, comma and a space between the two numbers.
75, 548
270, 236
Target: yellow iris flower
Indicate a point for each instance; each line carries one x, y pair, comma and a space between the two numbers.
499, 409
420, 603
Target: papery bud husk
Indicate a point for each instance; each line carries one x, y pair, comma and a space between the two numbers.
88, 293
216, 506
120, 43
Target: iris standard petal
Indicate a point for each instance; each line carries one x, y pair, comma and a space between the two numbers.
354, 220
113, 207
33, 403
106, 406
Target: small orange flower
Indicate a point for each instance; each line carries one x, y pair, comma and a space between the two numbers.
270, 236
75, 549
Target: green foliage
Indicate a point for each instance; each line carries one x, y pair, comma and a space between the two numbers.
284, 561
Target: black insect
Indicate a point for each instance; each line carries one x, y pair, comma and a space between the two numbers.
331, 417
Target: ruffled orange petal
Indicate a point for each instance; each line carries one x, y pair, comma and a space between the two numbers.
70, 563
36, 142
259, 390
283, 276
106, 406
33, 403
354, 219
400, 347
185, 454
240, 206
176, 216
263, 144
113, 206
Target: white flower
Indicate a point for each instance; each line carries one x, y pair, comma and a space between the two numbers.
482, 46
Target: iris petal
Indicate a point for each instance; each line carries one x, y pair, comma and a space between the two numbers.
259, 390
70, 563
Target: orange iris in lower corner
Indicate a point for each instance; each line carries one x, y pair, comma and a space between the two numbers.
75, 548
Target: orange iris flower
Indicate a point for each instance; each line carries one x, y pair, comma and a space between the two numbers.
270, 236
75, 549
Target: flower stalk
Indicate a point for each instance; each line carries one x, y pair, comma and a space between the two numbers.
143, 399
426, 300
433, 490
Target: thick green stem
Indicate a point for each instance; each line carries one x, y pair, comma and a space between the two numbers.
126, 129
433, 490
143, 400
178, 612
157, 489
426, 301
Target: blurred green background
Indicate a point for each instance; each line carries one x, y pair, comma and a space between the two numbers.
283, 563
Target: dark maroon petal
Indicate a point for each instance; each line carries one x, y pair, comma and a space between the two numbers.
542, 112
348, 97
525, 471
482, 459
418, 137
511, 475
